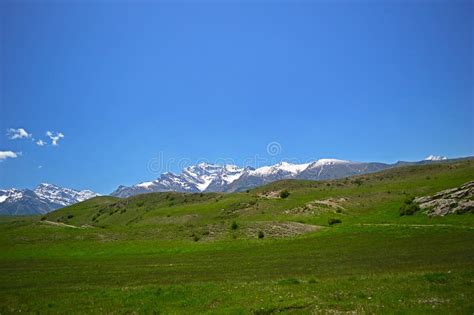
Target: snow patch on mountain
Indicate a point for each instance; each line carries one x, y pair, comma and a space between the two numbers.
44, 198
435, 158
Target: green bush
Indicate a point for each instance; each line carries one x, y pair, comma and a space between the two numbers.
261, 234
284, 194
70, 216
409, 207
333, 221
234, 226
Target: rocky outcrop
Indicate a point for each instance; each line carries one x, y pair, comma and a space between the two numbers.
452, 201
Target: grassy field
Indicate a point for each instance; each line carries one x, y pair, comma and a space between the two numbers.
249, 252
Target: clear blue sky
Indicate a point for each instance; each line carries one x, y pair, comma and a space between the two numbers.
357, 80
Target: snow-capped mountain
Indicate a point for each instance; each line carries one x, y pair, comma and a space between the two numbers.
44, 198
230, 178
196, 178
435, 158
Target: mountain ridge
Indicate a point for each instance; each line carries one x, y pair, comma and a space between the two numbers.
207, 177
43, 199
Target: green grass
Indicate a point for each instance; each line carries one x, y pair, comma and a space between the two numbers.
140, 255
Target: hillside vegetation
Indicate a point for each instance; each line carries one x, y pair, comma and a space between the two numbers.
290, 246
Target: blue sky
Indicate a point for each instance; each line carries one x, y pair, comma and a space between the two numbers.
357, 80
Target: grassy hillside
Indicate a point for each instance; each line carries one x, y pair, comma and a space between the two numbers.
250, 252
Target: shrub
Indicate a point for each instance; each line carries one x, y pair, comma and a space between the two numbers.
408, 207
70, 216
196, 238
261, 234
333, 221
358, 182
43, 218
140, 203
234, 226
284, 194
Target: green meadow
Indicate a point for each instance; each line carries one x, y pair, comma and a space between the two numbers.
334, 247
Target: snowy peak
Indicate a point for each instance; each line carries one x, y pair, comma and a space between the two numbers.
62, 196
44, 198
325, 162
227, 178
282, 167
435, 158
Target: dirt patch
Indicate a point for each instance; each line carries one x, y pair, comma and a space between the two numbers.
278, 229
317, 207
275, 194
63, 224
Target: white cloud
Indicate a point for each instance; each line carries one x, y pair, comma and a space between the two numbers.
19, 133
8, 154
40, 166
54, 138
40, 143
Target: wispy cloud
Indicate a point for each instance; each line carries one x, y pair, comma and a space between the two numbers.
54, 138
40, 166
8, 154
19, 133
40, 143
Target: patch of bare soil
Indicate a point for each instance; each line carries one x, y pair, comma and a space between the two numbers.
278, 229
275, 194
317, 207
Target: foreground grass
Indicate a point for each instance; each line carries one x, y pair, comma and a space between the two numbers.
159, 256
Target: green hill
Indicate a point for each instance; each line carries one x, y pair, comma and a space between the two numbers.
327, 247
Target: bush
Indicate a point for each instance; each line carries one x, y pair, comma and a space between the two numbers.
70, 216
284, 194
408, 207
43, 218
261, 234
234, 226
333, 221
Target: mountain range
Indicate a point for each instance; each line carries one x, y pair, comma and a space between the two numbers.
206, 177
203, 177
43, 199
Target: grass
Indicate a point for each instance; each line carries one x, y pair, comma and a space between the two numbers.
175, 253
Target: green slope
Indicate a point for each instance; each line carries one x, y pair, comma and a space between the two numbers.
174, 253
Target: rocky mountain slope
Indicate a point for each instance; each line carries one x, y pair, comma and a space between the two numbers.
230, 178
43, 199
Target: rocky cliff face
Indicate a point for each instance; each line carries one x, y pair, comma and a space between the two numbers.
452, 201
